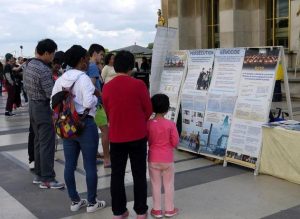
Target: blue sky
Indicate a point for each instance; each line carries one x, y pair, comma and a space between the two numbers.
112, 23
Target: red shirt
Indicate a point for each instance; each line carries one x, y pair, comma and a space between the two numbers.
128, 107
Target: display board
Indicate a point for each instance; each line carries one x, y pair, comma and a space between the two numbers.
172, 78
164, 39
253, 105
222, 96
194, 98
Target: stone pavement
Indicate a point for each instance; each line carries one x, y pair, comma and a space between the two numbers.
204, 190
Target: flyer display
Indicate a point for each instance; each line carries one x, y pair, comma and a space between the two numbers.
162, 44
171, 80
222, 97
217, 124
194, 98
253, 105
227, 71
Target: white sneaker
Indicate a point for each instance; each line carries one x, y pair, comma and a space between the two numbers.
31, 165
75, 206
94, 207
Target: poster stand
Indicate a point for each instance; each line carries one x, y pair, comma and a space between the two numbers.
255, 166
163, 42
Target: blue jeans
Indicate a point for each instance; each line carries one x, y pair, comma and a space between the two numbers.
87, 143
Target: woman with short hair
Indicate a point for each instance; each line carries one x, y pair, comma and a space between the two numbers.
128, 106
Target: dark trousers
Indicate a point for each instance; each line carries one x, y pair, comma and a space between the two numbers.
31, 144
137, 152
277, 96
17, 99
44, 141
1, 84
10, 97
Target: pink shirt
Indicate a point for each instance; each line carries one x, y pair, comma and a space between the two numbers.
162, 138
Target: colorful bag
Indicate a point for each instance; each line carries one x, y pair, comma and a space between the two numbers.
66, 120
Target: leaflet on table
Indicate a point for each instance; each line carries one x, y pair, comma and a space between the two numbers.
258, 74
172, 79
163, 41
217, 124
199, 73
227, 71
193, 108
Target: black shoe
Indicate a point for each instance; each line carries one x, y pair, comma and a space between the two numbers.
9, 114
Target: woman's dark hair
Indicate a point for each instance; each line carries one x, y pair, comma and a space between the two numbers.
74, 55
160, 103
124, 61
95, 48
107, 58
46, 45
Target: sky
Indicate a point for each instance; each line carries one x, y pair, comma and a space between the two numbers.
111, 23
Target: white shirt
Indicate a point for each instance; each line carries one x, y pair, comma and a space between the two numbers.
108, 73
83, 90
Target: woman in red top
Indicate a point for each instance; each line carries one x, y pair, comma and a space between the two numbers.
128, 106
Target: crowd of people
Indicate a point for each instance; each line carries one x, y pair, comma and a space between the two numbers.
110, 99
11, 77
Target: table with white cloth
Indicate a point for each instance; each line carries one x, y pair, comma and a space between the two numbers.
280, 155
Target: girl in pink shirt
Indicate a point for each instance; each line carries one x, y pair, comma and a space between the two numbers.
163, 138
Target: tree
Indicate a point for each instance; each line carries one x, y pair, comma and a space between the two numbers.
150, 46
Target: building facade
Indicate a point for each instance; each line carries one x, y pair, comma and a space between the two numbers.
235, 23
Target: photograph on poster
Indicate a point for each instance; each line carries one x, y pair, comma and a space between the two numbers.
193, 108
199, 75
261, 58
215, 133
258, 73
204, 79
174, 61
242, 157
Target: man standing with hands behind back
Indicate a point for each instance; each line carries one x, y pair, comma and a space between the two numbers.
38, 83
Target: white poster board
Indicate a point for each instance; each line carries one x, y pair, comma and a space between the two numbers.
164, 39
222, 96
172, 78
194, 98
253, 105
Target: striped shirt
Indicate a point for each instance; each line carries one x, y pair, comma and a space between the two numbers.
38, 80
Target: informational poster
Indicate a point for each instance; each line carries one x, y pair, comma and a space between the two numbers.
194, 98
253, 105
222, 97
227, 71
163, 41
172, 79
217, 124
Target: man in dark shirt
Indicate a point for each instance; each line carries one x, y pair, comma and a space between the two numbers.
38, 83
9, 83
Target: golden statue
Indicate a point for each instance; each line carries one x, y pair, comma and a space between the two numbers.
160, 19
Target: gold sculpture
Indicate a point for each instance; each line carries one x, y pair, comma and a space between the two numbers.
160, 19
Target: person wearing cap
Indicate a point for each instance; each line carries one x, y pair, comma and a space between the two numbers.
9, 83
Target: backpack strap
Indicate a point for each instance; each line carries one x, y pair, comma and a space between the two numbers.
86, 111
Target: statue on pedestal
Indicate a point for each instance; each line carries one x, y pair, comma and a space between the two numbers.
160, 19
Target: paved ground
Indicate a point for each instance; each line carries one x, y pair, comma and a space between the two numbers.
204, 190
